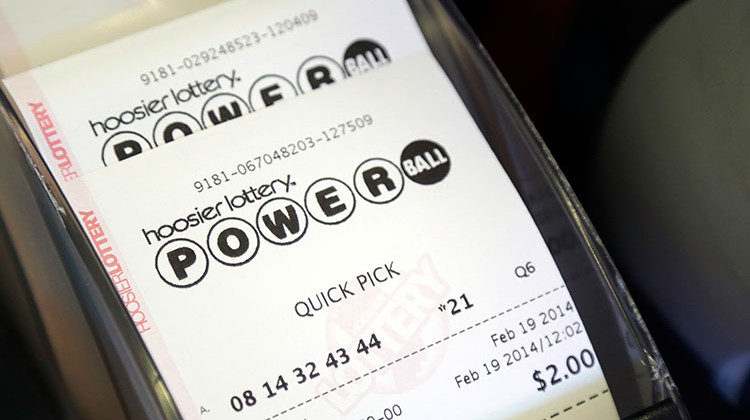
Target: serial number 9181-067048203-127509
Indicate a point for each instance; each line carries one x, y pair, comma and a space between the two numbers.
291, 149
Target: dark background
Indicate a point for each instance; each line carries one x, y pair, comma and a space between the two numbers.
563, 59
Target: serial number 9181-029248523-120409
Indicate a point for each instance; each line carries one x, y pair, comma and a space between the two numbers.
232, 45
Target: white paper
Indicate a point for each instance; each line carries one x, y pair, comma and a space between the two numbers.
351, 252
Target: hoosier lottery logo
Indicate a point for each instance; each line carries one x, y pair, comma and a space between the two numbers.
224, 101
281, 220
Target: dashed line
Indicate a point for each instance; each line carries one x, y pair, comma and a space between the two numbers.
578, 404
446, 338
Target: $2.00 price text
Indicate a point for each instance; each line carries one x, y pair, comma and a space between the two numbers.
553, 375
